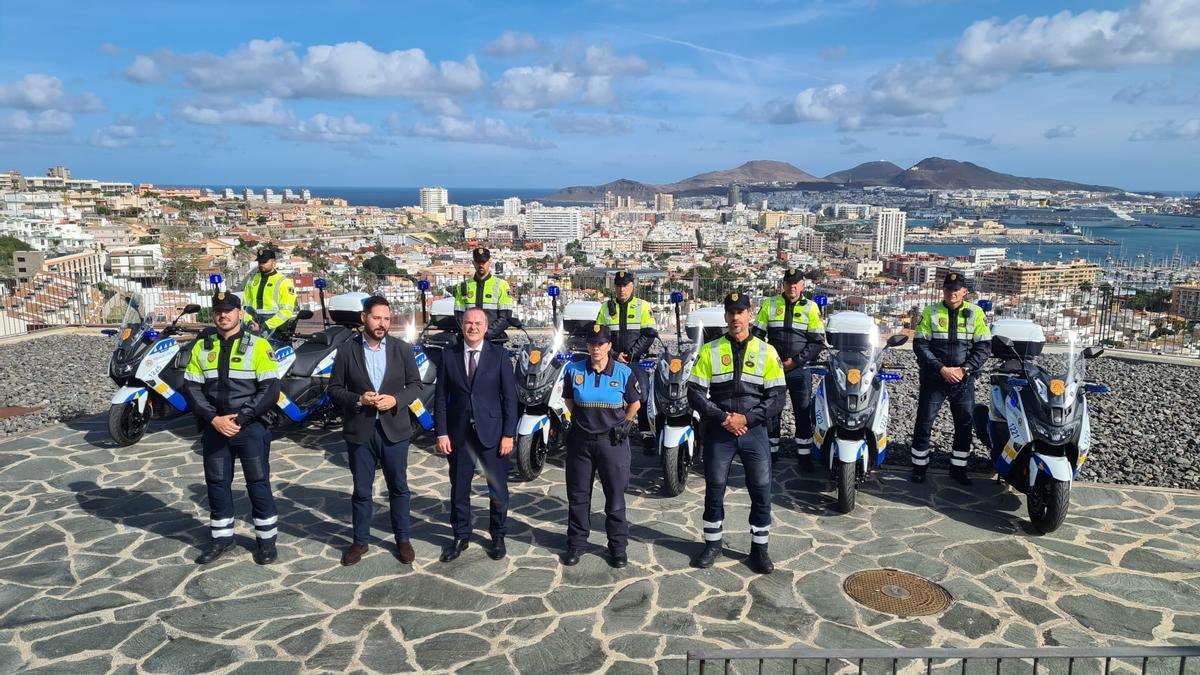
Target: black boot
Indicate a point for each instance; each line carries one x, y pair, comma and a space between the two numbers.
712, 550
215, 550
918, 474
266, 553
760, 561
959, 474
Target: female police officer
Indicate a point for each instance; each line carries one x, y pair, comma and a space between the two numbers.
602, 397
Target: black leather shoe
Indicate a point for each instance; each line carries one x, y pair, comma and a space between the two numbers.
454, 550
214, 551
959, 474
712, 550
498, 550
760, 561
617, 559
571, 557
266, 553
918, 474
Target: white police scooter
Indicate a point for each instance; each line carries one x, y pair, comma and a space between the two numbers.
147, 365
851, 406
544, 420
1037, 426
678, 426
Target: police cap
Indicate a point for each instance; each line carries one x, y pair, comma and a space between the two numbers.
954, 281
623, 278
481, 254
222, 300
793, 274
599, 335
265, 254
736, 302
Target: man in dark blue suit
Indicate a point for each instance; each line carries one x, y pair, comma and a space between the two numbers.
475, 410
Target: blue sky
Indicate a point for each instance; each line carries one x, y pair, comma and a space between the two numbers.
546, 94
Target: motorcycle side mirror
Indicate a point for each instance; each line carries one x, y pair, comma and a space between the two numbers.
1004, 340
897, 340
190, 309
1093, 352
304, 314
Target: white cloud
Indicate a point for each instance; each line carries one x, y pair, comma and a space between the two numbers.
586, 74
593, 125
482, 130
267, 112
1061, 131
44, 92
512, 43
324, 128
108, 48
21, 122
346, 69
1170, 130
836, 53
438, 105
990, 55
114, 136
127, 132
533, 87
1158, 92
968, 140
600, 60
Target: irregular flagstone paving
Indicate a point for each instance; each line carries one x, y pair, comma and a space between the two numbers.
97, 542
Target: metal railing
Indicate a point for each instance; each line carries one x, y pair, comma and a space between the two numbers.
1181, 660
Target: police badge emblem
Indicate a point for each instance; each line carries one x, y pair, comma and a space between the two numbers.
579, 378
726, 359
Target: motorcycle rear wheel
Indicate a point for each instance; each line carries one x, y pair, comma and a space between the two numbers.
126, 425
1047, 503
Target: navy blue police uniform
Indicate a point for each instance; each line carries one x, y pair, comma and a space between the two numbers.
598, 446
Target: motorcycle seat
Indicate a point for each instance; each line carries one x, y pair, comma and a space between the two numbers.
311, 353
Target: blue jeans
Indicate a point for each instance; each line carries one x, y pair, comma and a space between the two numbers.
393, 458
720, 446
251, 445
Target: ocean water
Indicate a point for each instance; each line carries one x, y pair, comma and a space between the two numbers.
1178, 235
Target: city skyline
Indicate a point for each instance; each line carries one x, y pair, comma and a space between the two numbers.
549, 96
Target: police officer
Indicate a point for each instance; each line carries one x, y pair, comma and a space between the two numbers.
633, 332
487, 293
951, 344
737, 386
231, 382
602, 397
792, 325
271, 295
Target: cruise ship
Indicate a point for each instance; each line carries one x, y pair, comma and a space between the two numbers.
1082, 214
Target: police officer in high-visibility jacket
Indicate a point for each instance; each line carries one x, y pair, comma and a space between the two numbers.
633, 333
951, 343
792, 325
737, 386
603, 398
487, 293
231, 383
271, 296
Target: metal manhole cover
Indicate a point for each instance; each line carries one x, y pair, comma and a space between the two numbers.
896, 592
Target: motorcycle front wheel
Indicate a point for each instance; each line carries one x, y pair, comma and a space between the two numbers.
675, 466
531, 455
846, 476
126, 425
1048, 502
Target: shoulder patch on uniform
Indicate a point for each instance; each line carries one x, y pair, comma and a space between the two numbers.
943, 321
579, 378
212, 356
726, 359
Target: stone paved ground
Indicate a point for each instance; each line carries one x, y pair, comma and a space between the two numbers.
96, 572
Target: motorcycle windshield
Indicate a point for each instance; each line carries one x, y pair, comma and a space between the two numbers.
853, 359
135, 322
1059, 373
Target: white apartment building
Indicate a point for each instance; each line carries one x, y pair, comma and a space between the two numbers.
137, 262
434, 199
554, 224
512, 207
889, 232
988, 256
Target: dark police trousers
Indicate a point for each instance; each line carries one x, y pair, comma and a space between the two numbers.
720, 446
590, 456
462, 471
800, 388
251, 445
934, 390
393, 459
643, 380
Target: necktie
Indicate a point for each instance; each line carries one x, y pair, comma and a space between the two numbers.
471, 367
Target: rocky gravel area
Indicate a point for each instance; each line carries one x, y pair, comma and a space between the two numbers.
1146, 432
63, 376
